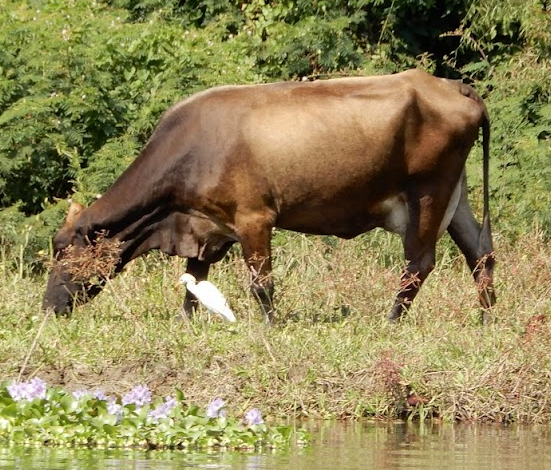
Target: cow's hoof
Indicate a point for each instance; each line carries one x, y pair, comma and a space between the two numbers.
393, 319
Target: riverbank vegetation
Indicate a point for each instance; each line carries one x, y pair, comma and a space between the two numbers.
82, 85
331, 353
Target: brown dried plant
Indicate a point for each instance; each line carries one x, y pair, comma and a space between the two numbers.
480, 269
388, 373
409, 281
97, 260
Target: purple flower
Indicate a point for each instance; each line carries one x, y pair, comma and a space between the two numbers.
34, 388
253, 417
170, 403
214, 410
78, 394
163, 409
140, 396
99, 395
17, 391
113, 408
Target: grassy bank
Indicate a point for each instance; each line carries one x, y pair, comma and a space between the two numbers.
331, 352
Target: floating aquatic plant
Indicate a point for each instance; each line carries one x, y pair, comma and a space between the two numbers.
33, 413
216, 408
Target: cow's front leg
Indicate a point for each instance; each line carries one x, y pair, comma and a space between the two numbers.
425, 216
415, 273
200, 270
255, 242
262, 284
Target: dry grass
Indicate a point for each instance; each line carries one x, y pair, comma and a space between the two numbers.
96, 260
331, 352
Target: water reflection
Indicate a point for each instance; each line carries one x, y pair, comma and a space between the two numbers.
343, 446
432, 446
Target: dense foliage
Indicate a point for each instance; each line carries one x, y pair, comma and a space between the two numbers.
82, 84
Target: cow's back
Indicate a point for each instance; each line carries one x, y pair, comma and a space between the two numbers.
337, 123
295, 146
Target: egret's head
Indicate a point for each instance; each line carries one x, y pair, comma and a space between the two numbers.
186, 279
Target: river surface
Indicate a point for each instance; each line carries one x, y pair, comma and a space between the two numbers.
342, 446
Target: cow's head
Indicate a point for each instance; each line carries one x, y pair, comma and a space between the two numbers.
95, 243
72, 278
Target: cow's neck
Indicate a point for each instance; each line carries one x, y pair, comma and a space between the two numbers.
131, 224
123, 219
133, 207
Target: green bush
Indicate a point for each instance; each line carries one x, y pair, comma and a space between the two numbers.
83, 84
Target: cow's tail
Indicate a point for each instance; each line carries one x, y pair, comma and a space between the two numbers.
485, 238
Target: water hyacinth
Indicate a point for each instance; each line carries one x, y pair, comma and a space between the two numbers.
215, 409
253, 417
94, 419
139, 396
99, 395
34, 388
78, 394
113, 408
162, 411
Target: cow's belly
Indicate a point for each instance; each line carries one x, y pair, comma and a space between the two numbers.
396, 214
346, 221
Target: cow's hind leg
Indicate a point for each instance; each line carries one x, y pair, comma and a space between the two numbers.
475, 242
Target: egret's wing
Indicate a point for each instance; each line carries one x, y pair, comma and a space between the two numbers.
209, 295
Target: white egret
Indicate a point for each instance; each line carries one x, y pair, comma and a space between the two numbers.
209, 295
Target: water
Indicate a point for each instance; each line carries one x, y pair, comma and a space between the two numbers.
341, 446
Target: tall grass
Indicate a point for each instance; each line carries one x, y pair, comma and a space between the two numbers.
331, 353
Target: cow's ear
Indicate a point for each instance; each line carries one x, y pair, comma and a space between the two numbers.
74, 213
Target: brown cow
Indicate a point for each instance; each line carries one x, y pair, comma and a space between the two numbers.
334, 157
